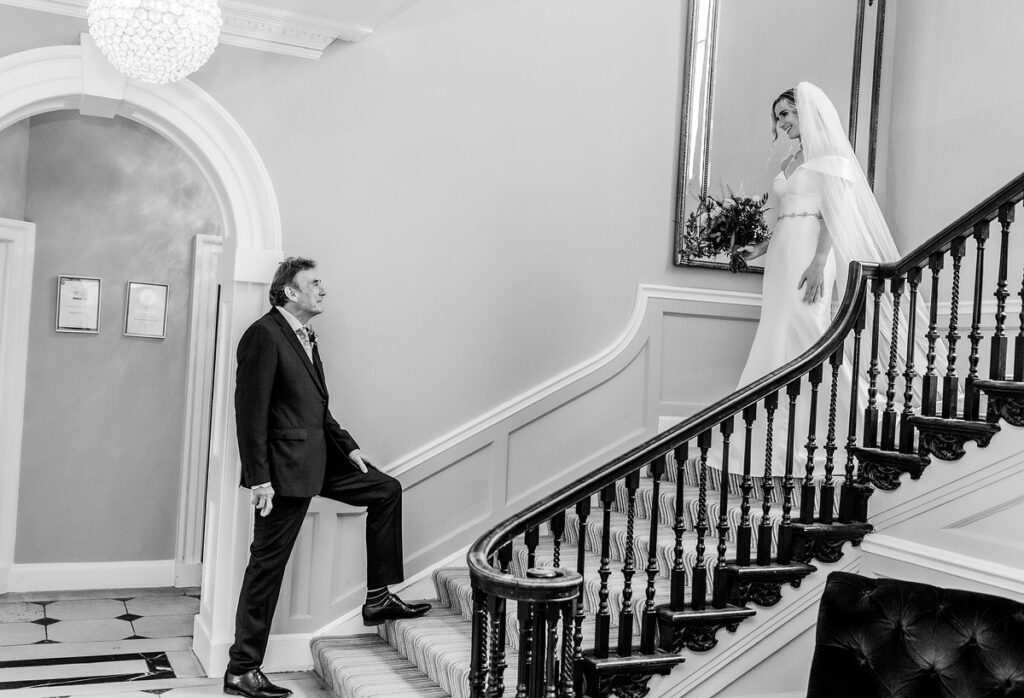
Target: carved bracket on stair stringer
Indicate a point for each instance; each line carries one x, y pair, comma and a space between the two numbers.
697, 630
945, 438
1008, 408
824, 542
625, 677
761, 593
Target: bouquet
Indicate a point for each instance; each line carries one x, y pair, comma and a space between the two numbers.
725, 226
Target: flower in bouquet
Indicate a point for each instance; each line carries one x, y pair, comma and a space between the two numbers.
725, 225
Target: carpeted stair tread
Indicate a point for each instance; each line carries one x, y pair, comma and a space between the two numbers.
365, 666
439, 644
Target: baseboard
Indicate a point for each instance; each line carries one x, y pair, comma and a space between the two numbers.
892, 557
188, 575
65, 576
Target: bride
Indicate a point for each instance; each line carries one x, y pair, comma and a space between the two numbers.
828, 217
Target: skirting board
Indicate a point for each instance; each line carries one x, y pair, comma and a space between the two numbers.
67, 576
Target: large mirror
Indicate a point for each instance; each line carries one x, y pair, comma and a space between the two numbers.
738, 57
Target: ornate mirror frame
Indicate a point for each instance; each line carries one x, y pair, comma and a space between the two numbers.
700, 36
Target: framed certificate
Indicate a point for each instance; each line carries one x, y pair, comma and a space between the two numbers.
78, 304
145, 310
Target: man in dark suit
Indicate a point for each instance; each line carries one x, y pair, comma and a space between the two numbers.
291, 449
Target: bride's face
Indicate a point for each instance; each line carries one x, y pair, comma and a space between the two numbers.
786, 119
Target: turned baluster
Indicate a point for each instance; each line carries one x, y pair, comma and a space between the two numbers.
478, 662
603, 617
889, 415
625, 645
582, 513
764, 529
972, 396
997, 358
847, 495
567, 689
681, 454
909, 374
828, 490
951, 383
649, 624
532, 541
496, 606
718, 598
550, 680
785, 552
1018, 342
807, 488
699, 592
874, 370
525, 612
743, 536
557, 525
930, 382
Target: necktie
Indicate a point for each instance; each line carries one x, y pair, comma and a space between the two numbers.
307, 338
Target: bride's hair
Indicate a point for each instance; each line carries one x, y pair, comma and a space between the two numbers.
787, 96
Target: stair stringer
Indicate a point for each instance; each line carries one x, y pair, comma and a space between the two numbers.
706, 674
948, 496
957, 526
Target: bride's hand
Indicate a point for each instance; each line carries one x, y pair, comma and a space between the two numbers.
750, 252
814, 280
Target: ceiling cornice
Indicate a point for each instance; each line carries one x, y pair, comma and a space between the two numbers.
245, 25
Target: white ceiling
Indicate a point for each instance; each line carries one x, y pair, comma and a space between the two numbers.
294, 27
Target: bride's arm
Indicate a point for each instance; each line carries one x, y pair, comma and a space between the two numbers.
814, 275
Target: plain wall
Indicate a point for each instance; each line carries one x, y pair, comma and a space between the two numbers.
104, 413
955, 121
484, 185
13, 170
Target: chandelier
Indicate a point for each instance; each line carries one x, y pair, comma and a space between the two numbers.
156, 41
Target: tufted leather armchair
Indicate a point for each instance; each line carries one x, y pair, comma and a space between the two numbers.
895, 639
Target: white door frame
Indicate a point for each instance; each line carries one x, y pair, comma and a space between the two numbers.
65, 77
188, 555
17, 249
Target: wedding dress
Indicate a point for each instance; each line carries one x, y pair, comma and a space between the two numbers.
789, 325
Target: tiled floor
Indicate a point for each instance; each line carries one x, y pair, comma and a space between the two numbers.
126, 643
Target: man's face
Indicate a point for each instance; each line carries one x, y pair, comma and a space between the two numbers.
305, 295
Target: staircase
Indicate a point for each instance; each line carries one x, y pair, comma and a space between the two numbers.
629, 571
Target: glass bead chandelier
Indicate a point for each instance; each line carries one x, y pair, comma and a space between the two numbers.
156, 41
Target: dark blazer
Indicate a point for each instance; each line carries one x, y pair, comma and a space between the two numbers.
285, 429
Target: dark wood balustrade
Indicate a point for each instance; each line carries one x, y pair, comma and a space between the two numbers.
875, 407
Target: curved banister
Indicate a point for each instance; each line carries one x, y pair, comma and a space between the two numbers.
493, 581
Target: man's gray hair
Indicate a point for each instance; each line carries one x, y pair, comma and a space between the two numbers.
285, 276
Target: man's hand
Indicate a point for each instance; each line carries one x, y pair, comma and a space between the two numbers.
359, 459
263, 499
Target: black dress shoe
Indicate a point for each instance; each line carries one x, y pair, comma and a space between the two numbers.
392, 608
252, 684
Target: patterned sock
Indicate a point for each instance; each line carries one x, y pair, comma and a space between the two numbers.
375, 597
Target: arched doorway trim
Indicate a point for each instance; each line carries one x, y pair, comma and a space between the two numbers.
74, 77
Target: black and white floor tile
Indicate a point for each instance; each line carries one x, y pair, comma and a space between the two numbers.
126, 643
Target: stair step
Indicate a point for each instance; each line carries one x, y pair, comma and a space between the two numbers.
439, 644
365, 666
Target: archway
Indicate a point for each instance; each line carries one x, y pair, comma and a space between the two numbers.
77, 77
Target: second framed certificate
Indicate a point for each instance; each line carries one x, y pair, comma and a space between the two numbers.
145, 311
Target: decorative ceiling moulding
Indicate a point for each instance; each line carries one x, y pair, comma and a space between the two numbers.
245, 25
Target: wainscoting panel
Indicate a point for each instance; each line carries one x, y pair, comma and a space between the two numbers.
597, 422
712, 352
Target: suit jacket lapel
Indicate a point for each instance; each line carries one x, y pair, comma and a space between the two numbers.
293, 339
